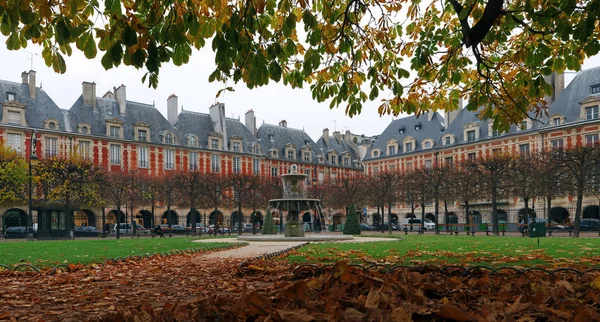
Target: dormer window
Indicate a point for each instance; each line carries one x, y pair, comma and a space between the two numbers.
214, 144
114, 131
142, 135
51, 125
236, 146
14, 117
402, 130
447, 140
13, 113
271, 137
333, 159
346, 161
256, 148
290, 154
169, 138
524, 125
418, 126
273, 153
141, 132
192, 140
10, 97
391, 150
321, 160
375, 153
556, 121
471, 136
595, 89
408, 147
427, 145
591, 112
471, 132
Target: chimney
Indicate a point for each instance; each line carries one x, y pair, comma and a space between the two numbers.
32, 83
217, 116
24, 78
348, 137
558, 84
172, 111
430, 114
337, 135
250, 121
283, 123
121, 97
89, 94
326, 136
449, 117
109, 95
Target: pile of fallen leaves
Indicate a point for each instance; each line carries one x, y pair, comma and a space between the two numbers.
190, 287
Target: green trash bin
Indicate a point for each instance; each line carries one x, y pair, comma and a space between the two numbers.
537, 229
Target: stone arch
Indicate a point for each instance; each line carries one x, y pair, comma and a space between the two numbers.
526, 214
559, 214
111, 217
14, 217
306, 217
502, 215
170, 215
85, 217
236, 218
592, 211
475, 217
146, 217
257, 218
216, 217
430, 216
337, 219
451, 218
196, 215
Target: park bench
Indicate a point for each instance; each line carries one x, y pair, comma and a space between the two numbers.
418, 230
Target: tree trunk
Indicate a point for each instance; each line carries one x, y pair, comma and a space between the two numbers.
437, 214
152, 219
423, 217
118, 221
578, 210
495, 211
390, 217
467, 221
193, 219
103, 222
549, 203
526, 202
240, 218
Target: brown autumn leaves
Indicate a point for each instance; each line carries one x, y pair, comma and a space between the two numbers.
190, 287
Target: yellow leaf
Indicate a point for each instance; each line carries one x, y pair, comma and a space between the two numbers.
596, 282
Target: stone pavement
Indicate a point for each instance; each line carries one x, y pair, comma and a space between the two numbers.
255, 249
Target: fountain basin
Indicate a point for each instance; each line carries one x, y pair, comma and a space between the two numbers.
306, 238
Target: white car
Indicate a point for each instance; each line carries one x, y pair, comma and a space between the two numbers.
127, 229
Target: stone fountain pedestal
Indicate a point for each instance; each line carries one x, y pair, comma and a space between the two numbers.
294, 228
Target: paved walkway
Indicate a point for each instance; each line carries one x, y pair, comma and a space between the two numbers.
255, 249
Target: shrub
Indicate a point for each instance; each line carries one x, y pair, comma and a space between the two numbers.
352, 226
268, 226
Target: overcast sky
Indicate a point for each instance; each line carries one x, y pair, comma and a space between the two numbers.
271, 103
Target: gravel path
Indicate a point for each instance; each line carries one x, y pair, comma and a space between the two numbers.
255, 249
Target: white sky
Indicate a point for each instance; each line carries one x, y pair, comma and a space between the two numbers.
271, 103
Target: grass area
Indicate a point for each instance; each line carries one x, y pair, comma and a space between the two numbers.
437, 250
50, 253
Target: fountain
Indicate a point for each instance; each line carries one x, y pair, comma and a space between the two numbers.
294, 202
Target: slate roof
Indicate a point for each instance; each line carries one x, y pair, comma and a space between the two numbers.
282, 136
339, 146
37, 109
429, 130
107, 109
567, 103
201, 125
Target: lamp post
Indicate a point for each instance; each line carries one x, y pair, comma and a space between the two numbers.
32, 160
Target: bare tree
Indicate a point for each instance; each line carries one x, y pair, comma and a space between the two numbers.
150, 192
386, 188
581, 165
190, 184
243, 187
464, 185
493, 171
214, 192
169, 193
524, 174
435, 178
421, 192
115, 192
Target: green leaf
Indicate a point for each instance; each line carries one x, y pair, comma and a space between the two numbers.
138, 58
58, 63
129, 36
87, 44
62, 32
116, 52
107, 61
275, 71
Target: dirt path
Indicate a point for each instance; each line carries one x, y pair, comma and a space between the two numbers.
255, 249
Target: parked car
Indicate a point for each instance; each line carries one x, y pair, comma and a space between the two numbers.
211, 229
364, 226
86, 231
15, 232
127, 229
415, 223
589, 224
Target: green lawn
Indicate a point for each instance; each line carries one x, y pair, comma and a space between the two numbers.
50, 253
494, 251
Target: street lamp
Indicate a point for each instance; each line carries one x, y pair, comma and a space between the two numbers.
32, 161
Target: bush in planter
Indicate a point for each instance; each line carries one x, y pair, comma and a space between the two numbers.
268, 226
352, 226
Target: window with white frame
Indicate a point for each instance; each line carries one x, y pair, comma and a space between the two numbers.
591, 112
447, 140
321, 177
274, 172
524, 125
524, 149
256, 149
595, 89
346, 161
169, 159
557, 144
408, 147
85, 150
427, 145
169, 138
192, 140
115, 154
290, 154
256, 166
14, 142
142, 157
215, 164
333, 159
471, 156
214, 143
51, 145
556, 121
142, 135
391, 150
193, 161
236, 147
10, 97
591, 139
237, 165
471, 136
428, 164
115, 131
13, 117
306, 155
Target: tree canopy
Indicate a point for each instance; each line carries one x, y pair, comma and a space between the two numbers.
410, 56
